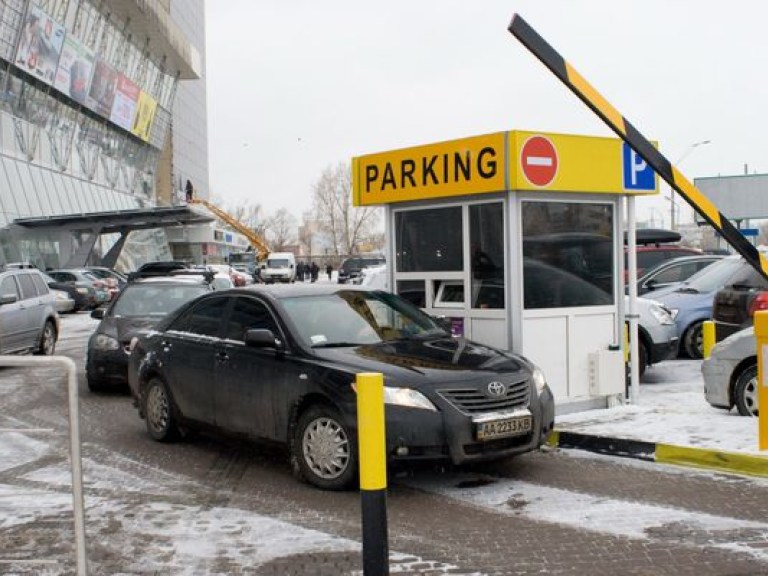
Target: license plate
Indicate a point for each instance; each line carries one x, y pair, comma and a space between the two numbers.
502, 428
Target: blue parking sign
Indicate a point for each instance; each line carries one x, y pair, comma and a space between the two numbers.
638, 175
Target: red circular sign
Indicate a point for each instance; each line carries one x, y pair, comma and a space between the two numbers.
538, 159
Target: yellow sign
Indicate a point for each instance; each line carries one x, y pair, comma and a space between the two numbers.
504, 161
570, 163
145, 113
467, 166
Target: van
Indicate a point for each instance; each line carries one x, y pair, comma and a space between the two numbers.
279, 267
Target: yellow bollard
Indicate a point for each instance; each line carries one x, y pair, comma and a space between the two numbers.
761, 336
708, 334
372, 443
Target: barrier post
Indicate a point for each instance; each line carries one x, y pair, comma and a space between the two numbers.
708, 335
373, 472
761, 336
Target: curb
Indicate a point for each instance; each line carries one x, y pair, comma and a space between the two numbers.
748, 464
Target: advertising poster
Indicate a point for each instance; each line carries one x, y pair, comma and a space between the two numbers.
102, 92
145, 113
73, 76
40, 45
126, 100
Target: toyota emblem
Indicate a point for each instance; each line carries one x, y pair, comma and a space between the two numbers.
497, 389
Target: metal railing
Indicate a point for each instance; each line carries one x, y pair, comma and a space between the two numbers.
74, 440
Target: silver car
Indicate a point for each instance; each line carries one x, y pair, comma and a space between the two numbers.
28, 318
730, 373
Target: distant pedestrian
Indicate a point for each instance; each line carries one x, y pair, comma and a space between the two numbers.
190, 191
314, 271
329, 270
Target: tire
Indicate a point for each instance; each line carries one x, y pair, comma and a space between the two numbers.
693, 340
323, 451
642, 352
745, 392
159, 412
48, 338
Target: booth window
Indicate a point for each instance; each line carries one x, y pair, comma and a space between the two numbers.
413, 291
449, 294
429, 240
567, 254
486, 237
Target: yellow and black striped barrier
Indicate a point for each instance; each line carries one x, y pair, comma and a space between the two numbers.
372, 444
761, 341
521, 30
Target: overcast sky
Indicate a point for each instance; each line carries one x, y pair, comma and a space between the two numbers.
295, 86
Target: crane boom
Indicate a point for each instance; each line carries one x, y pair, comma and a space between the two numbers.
258, 243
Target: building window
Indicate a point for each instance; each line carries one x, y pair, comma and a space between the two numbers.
567, 254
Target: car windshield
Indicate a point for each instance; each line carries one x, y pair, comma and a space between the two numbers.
278, 263
155, 299
714, 276
352, 318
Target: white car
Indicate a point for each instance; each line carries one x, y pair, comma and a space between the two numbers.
730, 373
63, 301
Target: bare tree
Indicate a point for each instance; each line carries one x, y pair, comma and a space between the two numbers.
280, 229
347, 226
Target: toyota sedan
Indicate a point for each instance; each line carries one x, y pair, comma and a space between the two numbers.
280, 363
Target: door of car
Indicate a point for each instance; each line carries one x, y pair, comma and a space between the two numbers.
188, 353
13, 317
253, 384
34, 308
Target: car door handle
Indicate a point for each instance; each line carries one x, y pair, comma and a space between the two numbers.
222, 356
165, 345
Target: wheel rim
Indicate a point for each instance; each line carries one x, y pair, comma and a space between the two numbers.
49, 341
750, 395
326, 448
158, 408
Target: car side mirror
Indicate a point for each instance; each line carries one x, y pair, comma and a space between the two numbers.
651, 284
98, 314
8, 299
262, 338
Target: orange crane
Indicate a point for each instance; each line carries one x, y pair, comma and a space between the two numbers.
258, 243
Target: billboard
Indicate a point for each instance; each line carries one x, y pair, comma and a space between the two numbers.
102, 92
40, 45
145, 112
73, 76
124, 105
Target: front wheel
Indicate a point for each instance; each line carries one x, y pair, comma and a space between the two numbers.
47, 344
159, 413
745, 392
693, 341
323, 450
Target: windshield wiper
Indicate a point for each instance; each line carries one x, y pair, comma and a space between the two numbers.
336, 345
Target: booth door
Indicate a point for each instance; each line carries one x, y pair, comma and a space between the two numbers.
569, 309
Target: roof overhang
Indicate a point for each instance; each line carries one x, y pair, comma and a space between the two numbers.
118, 220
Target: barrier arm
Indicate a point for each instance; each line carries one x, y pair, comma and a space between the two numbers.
527, 36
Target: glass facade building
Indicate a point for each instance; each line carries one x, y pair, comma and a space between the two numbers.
89, 91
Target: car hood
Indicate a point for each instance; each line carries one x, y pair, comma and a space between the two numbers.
423, 362
124, 328
679, 300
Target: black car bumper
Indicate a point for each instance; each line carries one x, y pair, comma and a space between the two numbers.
664, 351
107, 366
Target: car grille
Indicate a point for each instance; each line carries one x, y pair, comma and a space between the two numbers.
477, 400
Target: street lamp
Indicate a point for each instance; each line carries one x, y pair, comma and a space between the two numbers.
683, 156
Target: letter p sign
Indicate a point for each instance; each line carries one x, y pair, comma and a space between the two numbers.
637, 174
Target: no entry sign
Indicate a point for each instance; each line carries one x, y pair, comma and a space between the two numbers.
538, 160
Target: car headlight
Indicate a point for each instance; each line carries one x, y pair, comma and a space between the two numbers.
673, 312
104, 342
539, 379
407, 397
663, 315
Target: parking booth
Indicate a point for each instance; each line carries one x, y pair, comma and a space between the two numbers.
517, 239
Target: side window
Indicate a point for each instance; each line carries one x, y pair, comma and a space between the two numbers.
8, 287
204, 318
248, 314
42, 287
28, 289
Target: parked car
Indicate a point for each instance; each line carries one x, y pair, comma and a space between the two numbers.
64, 302
654, 246
691, 302
84, 278
673, 272
157, 268
28, 318
140, 305
114, 279
736, 303
730, 373
657, 337
84, 296
351, 267
280, 363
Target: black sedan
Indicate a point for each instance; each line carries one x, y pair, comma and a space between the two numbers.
141, 304
280, 363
